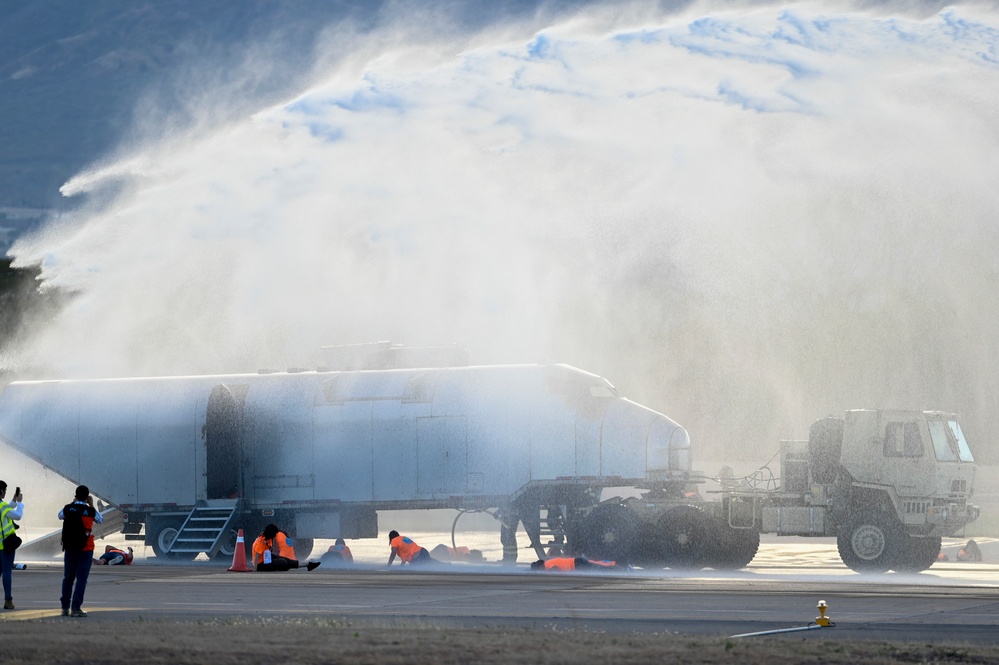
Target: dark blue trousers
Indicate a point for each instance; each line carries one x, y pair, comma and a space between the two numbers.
7, 564
76, 568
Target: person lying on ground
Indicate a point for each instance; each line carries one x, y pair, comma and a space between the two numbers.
114, 557
568, 563
461, 553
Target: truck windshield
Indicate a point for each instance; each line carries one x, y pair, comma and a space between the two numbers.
963, 449
949, 443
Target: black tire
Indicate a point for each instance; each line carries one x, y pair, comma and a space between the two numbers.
735, 548
916, 554
869, 544
166, 532
228, 548
303, 547
645, 552
610, 533
825, 446
685, 535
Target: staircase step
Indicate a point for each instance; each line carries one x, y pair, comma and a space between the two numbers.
205, 527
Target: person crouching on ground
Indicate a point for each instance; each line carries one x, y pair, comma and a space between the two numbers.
114, 557
273, 551
338, 554
407, 550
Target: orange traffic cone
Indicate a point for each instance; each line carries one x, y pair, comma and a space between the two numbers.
239, 556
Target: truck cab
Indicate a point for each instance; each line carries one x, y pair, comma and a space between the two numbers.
917, 465
887, 483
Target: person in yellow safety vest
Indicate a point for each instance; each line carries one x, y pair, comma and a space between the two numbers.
8, 513
568, 563
407, 550
273, 551
114, 557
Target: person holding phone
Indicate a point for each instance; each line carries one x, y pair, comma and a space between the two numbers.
8, 513
78, 519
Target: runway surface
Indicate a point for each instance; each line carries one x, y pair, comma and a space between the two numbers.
951, 602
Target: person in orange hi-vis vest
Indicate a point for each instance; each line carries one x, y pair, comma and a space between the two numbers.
568, 563
338, 554
78, 520
407, 550
273, 551
461, 553
114, 557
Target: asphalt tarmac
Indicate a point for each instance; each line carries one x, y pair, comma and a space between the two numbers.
951, 602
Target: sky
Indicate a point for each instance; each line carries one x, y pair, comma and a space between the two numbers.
746, 219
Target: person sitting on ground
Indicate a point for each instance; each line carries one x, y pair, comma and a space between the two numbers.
407, 550
114, 557
273, 551
568, 563
338, 554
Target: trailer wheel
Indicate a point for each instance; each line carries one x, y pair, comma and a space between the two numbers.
163, 539
916, 554
303, 547
869, 544
736, 548
609, 533
684, 532
228, 547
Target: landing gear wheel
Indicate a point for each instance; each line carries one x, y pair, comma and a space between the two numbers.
869, 544
736, 548
917, 554
163, 540
609, 533
684, 532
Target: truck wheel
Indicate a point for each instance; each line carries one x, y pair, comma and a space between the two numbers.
917, 554
166, 533
736, 548
609, 533
684, 532
869, 544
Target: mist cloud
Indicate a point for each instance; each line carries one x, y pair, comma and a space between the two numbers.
745, 219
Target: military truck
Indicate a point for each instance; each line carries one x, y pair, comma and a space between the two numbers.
887, 484
188, 460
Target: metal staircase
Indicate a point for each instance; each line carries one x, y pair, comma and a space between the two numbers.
207, 528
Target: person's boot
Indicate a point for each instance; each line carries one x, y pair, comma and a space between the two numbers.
8, 604
312, 565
